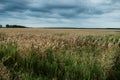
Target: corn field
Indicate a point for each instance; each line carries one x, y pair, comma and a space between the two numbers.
34, 54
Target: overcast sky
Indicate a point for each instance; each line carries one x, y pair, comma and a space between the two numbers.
61, 13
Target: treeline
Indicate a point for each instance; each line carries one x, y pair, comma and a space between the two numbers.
0, 26
13, 26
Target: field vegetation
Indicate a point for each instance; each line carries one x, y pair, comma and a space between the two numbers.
32, 54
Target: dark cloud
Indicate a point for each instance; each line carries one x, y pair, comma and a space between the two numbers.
44, 10
59, 9
23, 5
60, 6
14, 5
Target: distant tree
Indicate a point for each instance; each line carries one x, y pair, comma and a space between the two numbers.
18, 26
0, 26
15, 26
7, 25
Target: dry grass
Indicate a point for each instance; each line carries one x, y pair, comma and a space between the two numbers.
55, 38
81, 53
49, 31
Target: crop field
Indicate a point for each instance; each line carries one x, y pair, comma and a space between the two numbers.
59, 54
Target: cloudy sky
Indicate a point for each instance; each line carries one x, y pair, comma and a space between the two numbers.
61, 13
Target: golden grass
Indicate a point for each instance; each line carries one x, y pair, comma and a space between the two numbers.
57, 38
92, 53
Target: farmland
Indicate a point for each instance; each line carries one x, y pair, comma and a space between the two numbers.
59, 54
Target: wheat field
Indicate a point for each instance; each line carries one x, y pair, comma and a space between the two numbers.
59, 54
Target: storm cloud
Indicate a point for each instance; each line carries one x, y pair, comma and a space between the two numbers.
61, 13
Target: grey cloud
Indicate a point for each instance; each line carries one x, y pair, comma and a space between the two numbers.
50, 7
59, 9
13, 5
63, 8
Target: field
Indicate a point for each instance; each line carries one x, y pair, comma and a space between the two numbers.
59, 54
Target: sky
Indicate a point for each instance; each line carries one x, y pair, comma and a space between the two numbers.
61, 13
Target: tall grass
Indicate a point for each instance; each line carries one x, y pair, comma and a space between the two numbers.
91, 58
